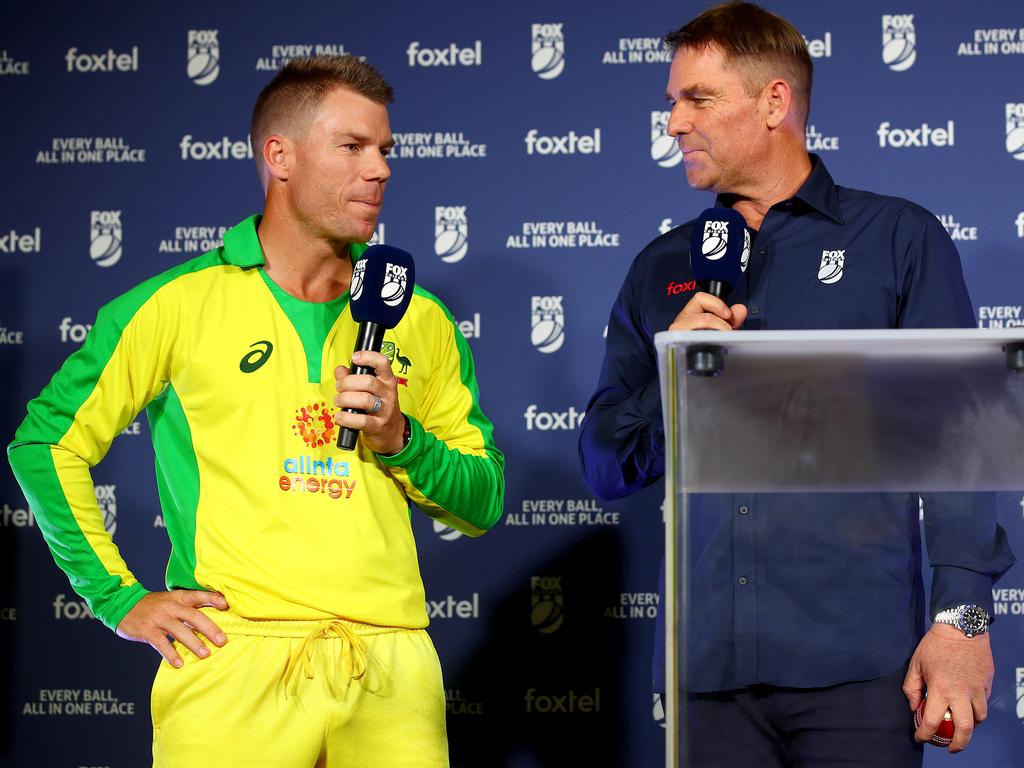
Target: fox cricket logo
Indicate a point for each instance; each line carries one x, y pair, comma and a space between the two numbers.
203, 56
314, 424
105, 243
716, 239
451, 232
546, 603
745, 256
1015, 130
547, 51
547, 332
446, 532
664, 148
358, 279
831, 269
899, 41
396, 280
106, 500
1020, 693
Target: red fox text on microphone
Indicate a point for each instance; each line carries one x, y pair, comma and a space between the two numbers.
807, 641
295, 588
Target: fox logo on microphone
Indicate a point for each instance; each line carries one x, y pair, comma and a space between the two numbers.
547, 332
547, 51
203, 56
1015, 130
358, 276
396, 280
664, 148
451, 232
105, 245
716, 239
899, 41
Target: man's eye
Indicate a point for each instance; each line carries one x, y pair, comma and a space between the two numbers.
351, 147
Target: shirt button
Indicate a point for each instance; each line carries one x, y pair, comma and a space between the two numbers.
755, 310
762, 250
744, 510
742, 580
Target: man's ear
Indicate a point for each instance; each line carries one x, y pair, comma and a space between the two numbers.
777, 97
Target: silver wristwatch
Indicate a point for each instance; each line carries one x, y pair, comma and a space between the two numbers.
970, 619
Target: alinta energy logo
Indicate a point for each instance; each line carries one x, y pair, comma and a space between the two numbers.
203, 56
817, 142
9, 66
1015, 130
108, 61
314, 426
446, 532
546, 603
14, 241
899, 41
451, 233
449, 56
282, 54
547, 50
664, 148
106, 238
106, 500
547, 323
224, 148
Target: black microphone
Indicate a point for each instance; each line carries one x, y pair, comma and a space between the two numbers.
719, 250
382, 286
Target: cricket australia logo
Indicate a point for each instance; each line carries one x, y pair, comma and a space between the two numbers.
664, 148
106, 500
451, 232
396, 280
546, 603
1015, 130
203, 56
716, 239
547, 51
899, 41
105, 242
547, 332
831, 268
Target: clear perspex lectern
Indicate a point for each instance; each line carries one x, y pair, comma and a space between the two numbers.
827, 411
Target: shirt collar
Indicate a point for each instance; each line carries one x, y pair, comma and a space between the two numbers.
818, 192
242, 245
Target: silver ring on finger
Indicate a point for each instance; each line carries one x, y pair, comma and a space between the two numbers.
377, 405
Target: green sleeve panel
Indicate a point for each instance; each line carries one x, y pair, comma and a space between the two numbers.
451, 467
124, 363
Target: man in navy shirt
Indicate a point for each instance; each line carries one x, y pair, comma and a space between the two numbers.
806, 619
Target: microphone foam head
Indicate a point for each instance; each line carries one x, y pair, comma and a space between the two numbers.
382, 285
719, 246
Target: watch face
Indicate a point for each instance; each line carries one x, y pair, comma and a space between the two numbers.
974, 620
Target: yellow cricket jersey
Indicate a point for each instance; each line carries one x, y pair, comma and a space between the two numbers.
237, 379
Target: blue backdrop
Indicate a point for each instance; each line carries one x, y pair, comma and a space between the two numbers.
535, 131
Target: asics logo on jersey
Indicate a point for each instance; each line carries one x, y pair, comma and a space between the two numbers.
254, 360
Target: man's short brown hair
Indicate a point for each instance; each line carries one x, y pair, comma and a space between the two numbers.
759, 44
296, 91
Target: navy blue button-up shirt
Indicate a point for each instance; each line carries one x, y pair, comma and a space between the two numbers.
801, 590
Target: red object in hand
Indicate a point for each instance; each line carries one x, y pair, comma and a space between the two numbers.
944, 735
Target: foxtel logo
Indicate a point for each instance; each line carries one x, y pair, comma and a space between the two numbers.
450, 608
221, 149
545, 421
925, 136
570, 144
451, 56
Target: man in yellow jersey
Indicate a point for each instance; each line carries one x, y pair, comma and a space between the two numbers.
292, 627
